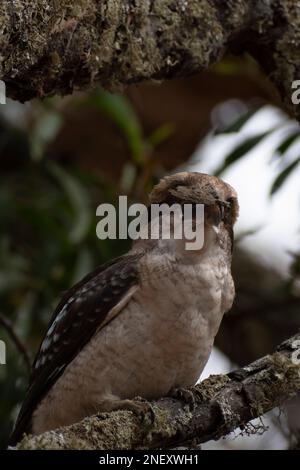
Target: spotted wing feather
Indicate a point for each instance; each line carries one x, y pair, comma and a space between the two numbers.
82, 311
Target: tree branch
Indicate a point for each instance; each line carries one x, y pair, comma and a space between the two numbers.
223, 403
50, 47
17, 341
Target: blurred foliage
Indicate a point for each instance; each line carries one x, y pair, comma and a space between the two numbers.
48, 228
120, 111
290, 141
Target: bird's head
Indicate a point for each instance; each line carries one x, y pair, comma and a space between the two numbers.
219, 198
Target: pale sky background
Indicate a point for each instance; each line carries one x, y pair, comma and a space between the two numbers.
278, 217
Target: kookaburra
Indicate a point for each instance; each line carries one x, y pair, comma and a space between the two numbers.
140, 325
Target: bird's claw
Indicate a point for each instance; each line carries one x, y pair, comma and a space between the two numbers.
144, 410
185, 395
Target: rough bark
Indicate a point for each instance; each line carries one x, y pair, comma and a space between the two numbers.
54, 46
222, 404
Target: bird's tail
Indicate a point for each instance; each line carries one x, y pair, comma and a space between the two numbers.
22, 426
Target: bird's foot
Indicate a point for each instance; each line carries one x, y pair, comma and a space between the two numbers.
185, 395
144, 410
139, 406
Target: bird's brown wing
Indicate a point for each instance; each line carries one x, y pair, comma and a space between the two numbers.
82, 311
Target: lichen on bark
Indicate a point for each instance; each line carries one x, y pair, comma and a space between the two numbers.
53, 47
287, 54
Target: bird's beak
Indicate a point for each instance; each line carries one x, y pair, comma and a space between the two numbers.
223, 207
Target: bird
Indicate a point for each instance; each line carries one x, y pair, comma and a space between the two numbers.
141, 325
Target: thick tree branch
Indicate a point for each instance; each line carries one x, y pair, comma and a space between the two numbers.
52, 47
223, 403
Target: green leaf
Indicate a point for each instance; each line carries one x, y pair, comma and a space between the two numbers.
120, 111
46, 129
287, 143
161, 134
242, 149
227, 67
237, 125
79, 202
283, 176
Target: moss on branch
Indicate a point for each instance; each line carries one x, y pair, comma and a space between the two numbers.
53, 47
